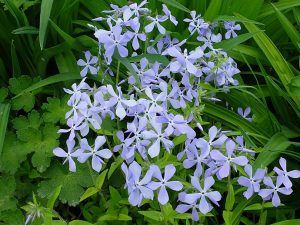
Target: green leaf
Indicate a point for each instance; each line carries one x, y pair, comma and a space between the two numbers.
263, 217
88, 193
33, 120
230, 199
41, 140
3, 94
295, 82
176, 4
7, 199
55, 110
258, 206
12, 155
54, 196
115, 165
16, 86
271, 151
4, 115
120, 217
46, 7
43, 148
179, 139
288, 222
72, 184
290, 30
153, 215
100, 179
79, 222
151, 58
11, 217
227, 216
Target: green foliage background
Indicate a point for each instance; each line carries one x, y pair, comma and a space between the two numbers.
40, 42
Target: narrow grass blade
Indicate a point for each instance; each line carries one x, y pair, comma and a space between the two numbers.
46, 7
288, 222
70, 40
213, 10
236, 19
15, 61
176, 4
274, 56
15, 12
234, 120
290, 30
231, 43
267, 9
54, 196
271, 151
247, 8
26, 30
50, 80
4, 115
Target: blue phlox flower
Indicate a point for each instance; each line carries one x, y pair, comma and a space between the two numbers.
120, 102
75, 125
155, 99
228, 160
231, 27
178, 97
216, 138
159, 137
169, 15
253, 182
141, 70
203, 194
155, 21
286, 174
184, 59
209, 39
115, 40
163, 182
197, 157
135, 9
241, 145
137, 187
273, 190
135, 138
189, 146
245, 113
199, 26
96, 154
134, 35
69, 155
188, 204
88, 64
78, 106
127, 152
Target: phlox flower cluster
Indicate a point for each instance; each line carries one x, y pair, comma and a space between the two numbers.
156, 104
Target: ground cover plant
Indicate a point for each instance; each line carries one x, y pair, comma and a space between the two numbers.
158, 112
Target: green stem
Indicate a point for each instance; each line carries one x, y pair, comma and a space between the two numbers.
118, 72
